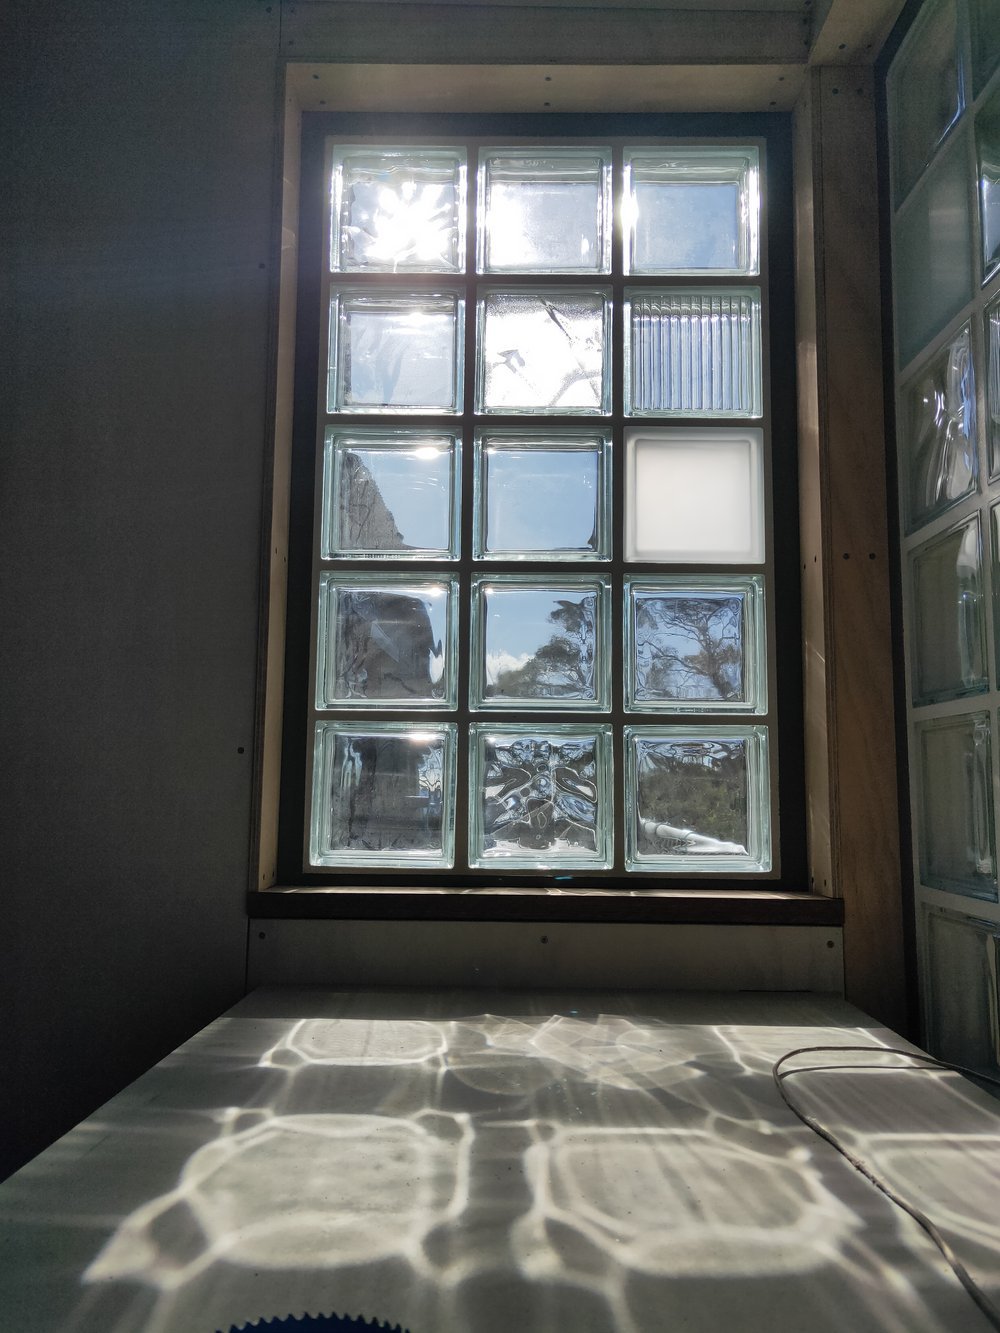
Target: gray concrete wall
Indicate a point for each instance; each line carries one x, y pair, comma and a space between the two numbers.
132, 428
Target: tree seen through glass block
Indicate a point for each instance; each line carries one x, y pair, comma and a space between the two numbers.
695, 645
540, 796
383, 794
538, 643
697, 797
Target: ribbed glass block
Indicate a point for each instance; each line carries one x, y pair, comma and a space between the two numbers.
955, 822
949, 622
993, 385
383, 795
938, 432
542, 497
963, 967
390, 495
988, 159
697, 799
693, 353
544, 351
540, 797
925, 93
395, 353
398, 210
540, 642
694, 495
386, 641
545, 212
695, 645
692, 210
932, 251
984, 20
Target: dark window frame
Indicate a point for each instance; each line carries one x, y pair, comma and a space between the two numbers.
789, 851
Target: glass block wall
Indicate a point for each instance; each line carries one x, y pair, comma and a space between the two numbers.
943, 95
542, 601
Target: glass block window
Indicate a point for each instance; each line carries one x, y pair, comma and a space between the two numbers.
542, 577
943, 101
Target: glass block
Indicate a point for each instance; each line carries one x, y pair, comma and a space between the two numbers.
400, 353
695, 645
541, 797
545, 212
993, 385
925, 93
693, 353
963, 1000
391, 495
696, 799
988, 160
949, 630
540, 642
938, 432
398, 210
386, 641
383, 795
957, 849
694, 495
984, 20
932, 251
692, 210
542, 497
544, 351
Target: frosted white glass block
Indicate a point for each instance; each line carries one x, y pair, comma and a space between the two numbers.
925, 92
938, 432
993, 385
542, 497
693, 353
545, 212
692, 210
955, 821
540, 797
949, 630
399, 353
540, 643
383, 795
386, 641
963, 955
988, 157
695, 645
398, 210
694, 495
696, 799
390, 495
932, 250
544, 351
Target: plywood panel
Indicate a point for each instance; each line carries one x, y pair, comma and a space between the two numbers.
487, 34
556, 88
557, 953
138, 225
846, 580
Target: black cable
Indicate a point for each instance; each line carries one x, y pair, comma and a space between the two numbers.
958, 1268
